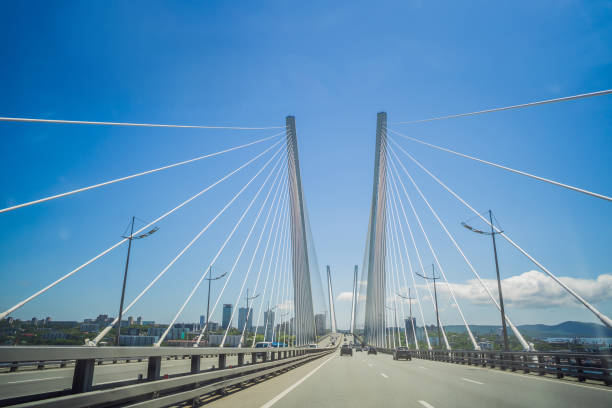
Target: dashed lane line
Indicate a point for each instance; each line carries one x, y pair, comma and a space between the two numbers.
33, 380
292, 387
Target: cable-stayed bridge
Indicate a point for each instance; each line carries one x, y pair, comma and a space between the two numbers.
274, 267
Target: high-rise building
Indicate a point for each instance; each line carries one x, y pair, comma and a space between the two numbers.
409, 328
320, 324
227, 315
131, 320
242, 319
139, 321
202, 321
268, 325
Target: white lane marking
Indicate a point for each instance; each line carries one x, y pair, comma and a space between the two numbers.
35, 379
369, 365
292, 387
424, 368
533, 377
472, 381
529, 377
425, 404
384, 375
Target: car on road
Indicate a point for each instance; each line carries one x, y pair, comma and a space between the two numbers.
346, 349
357, 347
263, 344
402, 352
372, 350
312, 345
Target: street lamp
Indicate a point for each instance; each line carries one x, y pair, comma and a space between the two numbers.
409, 299
210, 279
433, 277
127, 263
499, 288
248, 311
394, 318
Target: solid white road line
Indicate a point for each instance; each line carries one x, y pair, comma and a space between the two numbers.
424, 368
425, 404
384, 375
36, 379
472, 381
291, 388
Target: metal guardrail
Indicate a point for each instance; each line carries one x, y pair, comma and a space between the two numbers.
152, 390
583, 366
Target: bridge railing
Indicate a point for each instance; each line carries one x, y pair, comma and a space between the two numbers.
583, 366
263, 361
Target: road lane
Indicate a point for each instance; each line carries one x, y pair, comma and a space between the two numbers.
57, 379
29, 382
358, 381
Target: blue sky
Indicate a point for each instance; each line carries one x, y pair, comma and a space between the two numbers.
333, 66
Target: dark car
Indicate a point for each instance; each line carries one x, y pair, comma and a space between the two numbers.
402, 352
346, 349
372, 350
357, 347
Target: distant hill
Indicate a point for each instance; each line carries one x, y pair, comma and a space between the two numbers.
565, 329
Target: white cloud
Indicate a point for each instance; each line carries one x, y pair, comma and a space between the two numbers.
287, 305
345, 297
535, 289
348, 297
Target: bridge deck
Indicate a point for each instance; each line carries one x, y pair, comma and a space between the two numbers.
379, 381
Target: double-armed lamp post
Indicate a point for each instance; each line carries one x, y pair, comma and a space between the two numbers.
210, 278
433, 277
499, 288
130, 238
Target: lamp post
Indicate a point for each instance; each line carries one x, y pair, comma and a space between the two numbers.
499, 288
125, 272
409, 299
433, 277
210, 279
394, 318
248, 311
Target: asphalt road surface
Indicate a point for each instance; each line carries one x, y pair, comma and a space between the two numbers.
379, 381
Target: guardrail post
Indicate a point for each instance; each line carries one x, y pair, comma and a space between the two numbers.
154, 368
195, 363
272, 355
83, 375
222, 361
580, 373
559, 368
606, 371
240, 359
253, 358
525, 359
541, 366
14, 366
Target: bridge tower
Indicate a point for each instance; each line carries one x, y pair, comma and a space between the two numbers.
374, 328
303, 304
332, 310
